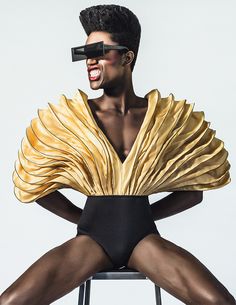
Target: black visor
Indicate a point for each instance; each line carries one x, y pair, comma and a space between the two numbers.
93, 50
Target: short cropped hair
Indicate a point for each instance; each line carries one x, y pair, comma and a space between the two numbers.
119, 21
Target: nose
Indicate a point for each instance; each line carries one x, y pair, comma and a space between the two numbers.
91, 61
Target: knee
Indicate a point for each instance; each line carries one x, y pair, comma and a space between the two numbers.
222, 300
8, 298
4, 299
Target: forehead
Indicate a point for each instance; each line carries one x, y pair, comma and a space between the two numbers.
100, 36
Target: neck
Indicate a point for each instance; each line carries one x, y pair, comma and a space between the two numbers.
120, 97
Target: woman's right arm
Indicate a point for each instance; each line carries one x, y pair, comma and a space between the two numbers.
58, 204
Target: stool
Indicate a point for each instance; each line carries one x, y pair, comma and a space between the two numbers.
113, 274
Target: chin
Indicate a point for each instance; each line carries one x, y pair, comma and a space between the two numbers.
96, 86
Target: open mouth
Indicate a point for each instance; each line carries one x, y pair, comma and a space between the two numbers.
94, 74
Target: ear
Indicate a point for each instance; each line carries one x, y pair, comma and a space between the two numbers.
128, 58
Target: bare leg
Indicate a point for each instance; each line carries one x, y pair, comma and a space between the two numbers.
57, 272
178, 272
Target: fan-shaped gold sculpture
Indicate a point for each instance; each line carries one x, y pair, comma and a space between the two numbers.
64, 148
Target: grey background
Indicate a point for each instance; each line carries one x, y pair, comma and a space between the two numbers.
187, 48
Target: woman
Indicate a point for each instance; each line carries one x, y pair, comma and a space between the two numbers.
117, 149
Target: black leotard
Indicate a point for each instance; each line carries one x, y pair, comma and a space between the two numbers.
117, 223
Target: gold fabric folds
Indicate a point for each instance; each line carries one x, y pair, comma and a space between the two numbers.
64, 148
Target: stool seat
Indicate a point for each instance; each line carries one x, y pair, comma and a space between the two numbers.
113, 274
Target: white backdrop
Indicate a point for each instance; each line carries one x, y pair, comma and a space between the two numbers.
187, 48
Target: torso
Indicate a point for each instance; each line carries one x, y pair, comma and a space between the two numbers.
121, 130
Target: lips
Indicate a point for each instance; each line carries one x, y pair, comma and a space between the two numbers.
94, 73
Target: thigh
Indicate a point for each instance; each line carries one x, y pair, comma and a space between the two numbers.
178, 272
57, 272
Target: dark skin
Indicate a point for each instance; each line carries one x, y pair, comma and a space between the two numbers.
68, 265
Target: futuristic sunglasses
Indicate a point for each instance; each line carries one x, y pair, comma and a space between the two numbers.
92, 50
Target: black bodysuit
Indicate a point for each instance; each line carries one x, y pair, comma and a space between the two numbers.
117, 223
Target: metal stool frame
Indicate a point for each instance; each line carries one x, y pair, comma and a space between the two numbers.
113, 274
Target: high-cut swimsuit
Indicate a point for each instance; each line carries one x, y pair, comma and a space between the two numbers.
64, 148
117, 223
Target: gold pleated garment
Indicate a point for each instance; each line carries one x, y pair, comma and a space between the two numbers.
64, 148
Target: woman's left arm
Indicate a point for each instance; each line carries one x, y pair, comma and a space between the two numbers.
174, 203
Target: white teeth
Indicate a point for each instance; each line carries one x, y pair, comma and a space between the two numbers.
94, 72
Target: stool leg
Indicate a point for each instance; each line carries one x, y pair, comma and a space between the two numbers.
158, 294
87, 292
81, 294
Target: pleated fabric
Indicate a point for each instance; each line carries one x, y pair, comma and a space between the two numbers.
64, 148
